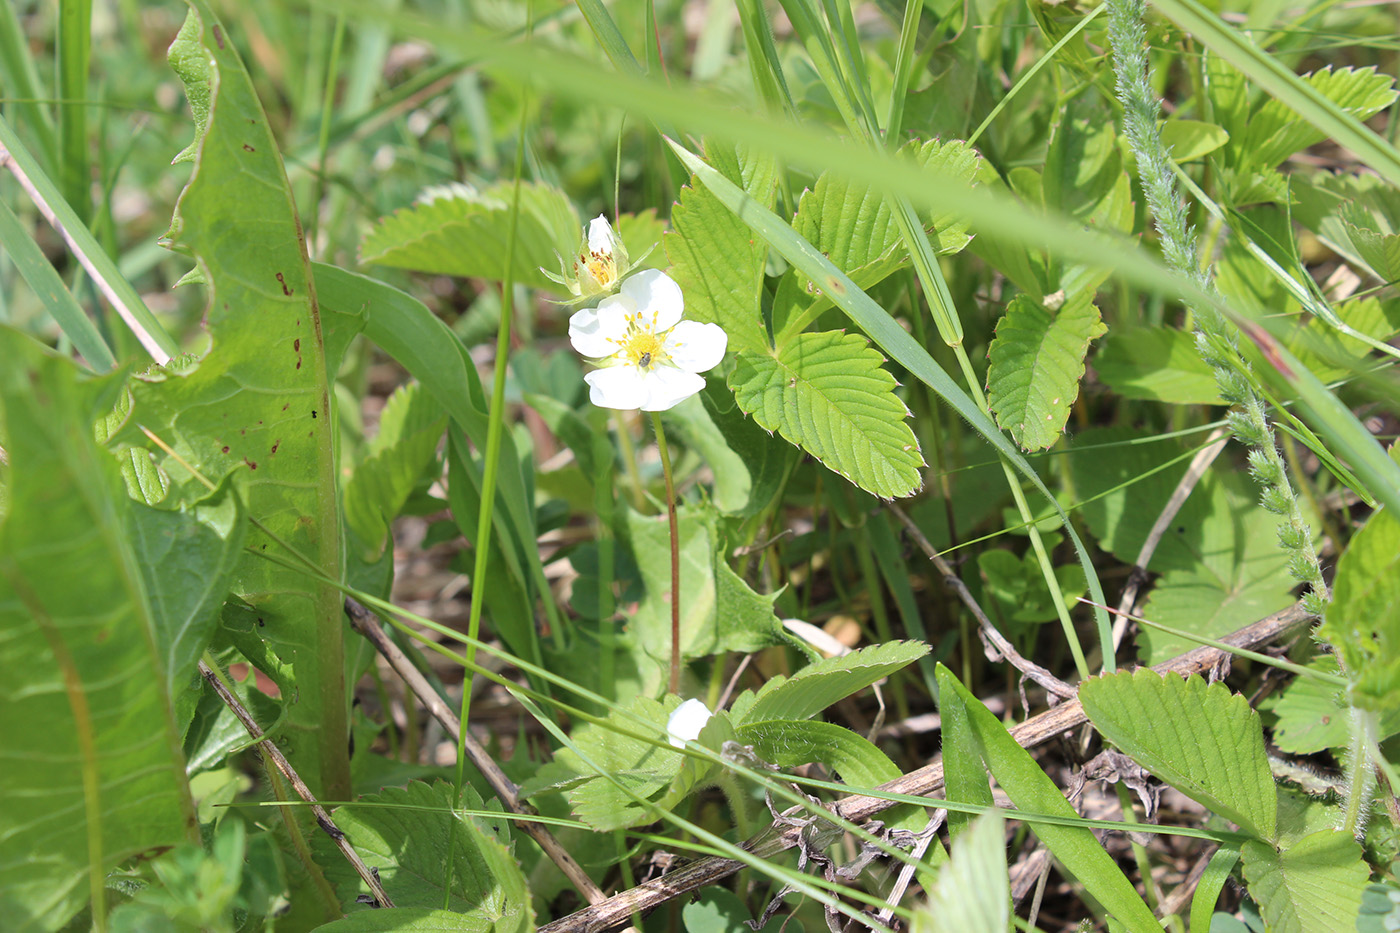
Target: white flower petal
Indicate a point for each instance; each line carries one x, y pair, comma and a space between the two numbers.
655, 293
586, 334
667, 387
620, 387
686, 722
595, 332
696, 347
600, 236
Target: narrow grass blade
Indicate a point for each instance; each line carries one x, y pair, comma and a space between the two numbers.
44, 279
109, 280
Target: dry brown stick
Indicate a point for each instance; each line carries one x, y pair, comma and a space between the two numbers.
618, 909
1175, 901
985, 627
1215, 443
367, 624
279, 761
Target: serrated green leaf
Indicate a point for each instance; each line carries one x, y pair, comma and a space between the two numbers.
1157, 363
715, 258
855, 228
93, 772
1275, 131
790, 743
887, 333
260, 401
828, 394
1033, 791
1333, 355
1203, 740
407, 835
1188, 140
1358, 215
1315, 884
410, 428
461, 231
973, 891
1037, 360
1363, 619
822, 683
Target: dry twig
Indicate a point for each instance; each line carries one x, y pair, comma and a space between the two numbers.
279, 761
990, 636
1138, 575
367, 624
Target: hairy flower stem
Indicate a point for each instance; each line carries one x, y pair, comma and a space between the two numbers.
1361, 783
675, 554
1215, 341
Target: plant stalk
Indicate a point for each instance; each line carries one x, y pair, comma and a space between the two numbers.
675, 554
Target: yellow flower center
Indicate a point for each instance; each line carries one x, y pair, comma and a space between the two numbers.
602, 266
641, 345
644, 349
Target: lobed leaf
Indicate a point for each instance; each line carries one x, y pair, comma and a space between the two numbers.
828, 394
1203, 740
260, 400
1037, 360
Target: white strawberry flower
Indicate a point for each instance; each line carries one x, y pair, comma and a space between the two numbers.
686, 722
600, 263
648, 357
